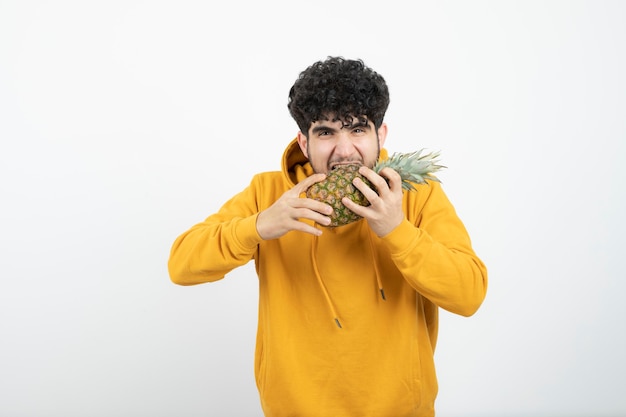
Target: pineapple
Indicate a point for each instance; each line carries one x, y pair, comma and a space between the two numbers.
413, 167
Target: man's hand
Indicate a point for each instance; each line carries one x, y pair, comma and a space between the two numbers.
286, 213
385, 210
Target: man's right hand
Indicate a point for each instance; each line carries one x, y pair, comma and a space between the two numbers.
287, 213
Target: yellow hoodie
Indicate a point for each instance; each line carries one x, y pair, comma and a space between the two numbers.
347, 321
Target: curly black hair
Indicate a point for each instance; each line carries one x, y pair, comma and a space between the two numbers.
339, 88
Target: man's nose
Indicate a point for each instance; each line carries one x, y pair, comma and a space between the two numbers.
344, 146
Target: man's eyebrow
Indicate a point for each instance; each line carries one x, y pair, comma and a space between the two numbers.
359, 123
323, 128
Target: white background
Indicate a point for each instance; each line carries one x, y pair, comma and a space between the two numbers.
123, 123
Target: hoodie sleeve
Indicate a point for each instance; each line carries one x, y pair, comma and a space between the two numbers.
433, 251
224, 241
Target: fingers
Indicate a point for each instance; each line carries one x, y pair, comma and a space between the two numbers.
312, 209
289, 211
356, 208
393, 179
386, 179
305, 228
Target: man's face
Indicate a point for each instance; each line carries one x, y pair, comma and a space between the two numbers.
332, 143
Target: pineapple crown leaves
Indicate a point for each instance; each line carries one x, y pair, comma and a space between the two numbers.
413, 167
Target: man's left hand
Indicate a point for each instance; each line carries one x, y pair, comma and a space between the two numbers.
385, 210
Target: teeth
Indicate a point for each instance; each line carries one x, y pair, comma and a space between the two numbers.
343, 164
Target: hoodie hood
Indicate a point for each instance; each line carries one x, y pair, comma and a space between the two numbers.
295, 165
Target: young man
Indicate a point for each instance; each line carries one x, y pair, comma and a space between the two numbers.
328, 343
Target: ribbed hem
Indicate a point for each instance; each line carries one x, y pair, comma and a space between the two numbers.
402, 237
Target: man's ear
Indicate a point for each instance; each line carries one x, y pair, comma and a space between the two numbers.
382, 135
302, 141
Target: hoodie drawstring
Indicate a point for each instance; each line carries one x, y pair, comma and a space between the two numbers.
329, 302
378, 281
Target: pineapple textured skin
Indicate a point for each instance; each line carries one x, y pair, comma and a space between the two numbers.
336, 185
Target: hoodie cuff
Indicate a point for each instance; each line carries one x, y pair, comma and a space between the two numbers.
402, 238
246, 233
